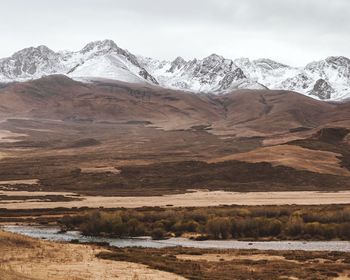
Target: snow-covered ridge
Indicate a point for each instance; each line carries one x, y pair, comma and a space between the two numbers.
102, 59
328, 79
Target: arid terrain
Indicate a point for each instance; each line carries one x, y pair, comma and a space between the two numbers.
175, 140
67, 146
115, 139
25, 258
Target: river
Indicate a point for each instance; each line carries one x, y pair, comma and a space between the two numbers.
53, 234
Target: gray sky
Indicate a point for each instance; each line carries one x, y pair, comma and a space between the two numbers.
290, 31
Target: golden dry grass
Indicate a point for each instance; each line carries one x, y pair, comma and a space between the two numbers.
20, 182
293, 156
197, 198
25, 258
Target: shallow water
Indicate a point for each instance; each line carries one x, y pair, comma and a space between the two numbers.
52, 233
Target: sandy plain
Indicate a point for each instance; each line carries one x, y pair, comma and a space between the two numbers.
190, 199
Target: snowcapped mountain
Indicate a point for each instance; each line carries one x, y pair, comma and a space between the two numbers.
266, 71
327, 79
211, 74
100, 59
29, 63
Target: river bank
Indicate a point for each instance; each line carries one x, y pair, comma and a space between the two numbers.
23, 257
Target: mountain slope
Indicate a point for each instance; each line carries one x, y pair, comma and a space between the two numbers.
244, 113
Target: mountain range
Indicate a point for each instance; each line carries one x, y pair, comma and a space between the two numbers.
328, 79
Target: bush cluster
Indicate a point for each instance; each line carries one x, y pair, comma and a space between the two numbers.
284, 222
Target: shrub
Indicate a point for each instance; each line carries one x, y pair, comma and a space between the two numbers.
295, 226
313, 229
135, 228
275, 227
235, 228
219, 227
250, 228
158, 234
345, 231
190, 226
329, 231
321, 222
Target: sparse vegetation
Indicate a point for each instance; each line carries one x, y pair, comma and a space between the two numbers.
241, 264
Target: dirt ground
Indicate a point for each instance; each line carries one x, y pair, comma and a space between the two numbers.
25, 258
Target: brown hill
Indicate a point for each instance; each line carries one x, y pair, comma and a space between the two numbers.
134, 138
245, 112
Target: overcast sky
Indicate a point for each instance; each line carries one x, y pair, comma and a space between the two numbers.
290, 31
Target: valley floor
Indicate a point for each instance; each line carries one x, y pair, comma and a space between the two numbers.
65, 145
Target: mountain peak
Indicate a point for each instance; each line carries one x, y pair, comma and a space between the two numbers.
42, 49
100, 45
338, 60
179, 59
269, 63
214, 57
176, 64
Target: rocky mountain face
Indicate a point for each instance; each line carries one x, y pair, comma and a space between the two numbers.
100, 59
327, 79
211, 74
29, 63
322, 89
